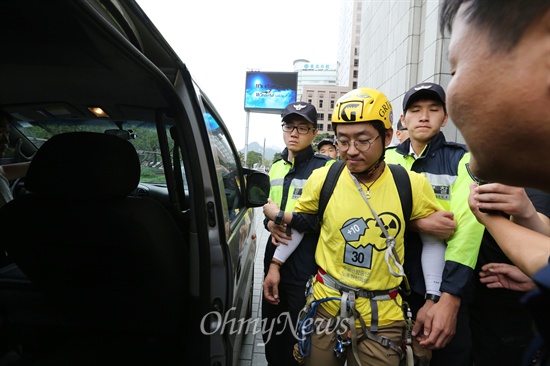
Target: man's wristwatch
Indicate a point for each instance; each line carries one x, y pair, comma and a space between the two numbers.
434, 298
280, 218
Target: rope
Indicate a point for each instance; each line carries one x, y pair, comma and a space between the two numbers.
305, 327
391, 256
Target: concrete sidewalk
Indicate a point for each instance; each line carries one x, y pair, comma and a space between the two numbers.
252, 351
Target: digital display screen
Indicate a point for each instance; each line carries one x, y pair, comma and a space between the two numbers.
269, 92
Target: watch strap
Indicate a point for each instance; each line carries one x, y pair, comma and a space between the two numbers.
434, 298
279, 218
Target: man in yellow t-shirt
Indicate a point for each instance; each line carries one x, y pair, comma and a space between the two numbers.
360, 247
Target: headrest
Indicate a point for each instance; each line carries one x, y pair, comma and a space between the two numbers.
84, 165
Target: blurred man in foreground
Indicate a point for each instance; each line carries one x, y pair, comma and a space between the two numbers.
499, 98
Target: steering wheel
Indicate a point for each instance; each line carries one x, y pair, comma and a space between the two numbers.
18, 187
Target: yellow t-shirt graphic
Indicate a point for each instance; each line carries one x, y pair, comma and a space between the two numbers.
352, 246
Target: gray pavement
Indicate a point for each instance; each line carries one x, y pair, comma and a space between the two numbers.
252, 351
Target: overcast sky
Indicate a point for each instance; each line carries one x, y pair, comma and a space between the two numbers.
219, 40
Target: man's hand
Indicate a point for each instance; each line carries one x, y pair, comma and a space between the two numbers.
278, 233
503, 275
436, 322
271, 209
499, 197
271, 284
441, 224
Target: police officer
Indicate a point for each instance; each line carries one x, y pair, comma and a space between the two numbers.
445, 165
327, 147
288, 176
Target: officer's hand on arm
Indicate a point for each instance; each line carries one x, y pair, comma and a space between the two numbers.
437, 325
499, 197
508, 276
441, 224
271, 283
529, 257
513, 201
418, 329
271, 209
278, 233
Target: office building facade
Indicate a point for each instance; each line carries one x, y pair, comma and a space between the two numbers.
401, 46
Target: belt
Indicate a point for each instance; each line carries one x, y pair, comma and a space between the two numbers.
334, 284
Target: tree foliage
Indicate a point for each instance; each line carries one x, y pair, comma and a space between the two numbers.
252, 158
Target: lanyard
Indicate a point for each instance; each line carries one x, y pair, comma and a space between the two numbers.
391, 257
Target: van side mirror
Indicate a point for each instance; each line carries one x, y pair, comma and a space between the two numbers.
257, 188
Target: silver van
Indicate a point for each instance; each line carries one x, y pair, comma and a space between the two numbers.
131, 240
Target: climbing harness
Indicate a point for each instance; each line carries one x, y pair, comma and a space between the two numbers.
347, 316
348, 312
373, 296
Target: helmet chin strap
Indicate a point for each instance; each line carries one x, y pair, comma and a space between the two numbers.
373, 167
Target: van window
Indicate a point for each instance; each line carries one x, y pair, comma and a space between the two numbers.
142, 134
225, 158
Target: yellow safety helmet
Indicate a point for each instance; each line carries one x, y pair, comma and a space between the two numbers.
363, 105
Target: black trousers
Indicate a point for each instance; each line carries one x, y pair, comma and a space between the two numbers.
279, 324
458, 351
502, 328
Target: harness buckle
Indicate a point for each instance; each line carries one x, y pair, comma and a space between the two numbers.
385, 341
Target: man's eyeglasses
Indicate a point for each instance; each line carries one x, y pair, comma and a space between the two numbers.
360, 145
302, 130
402, 129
